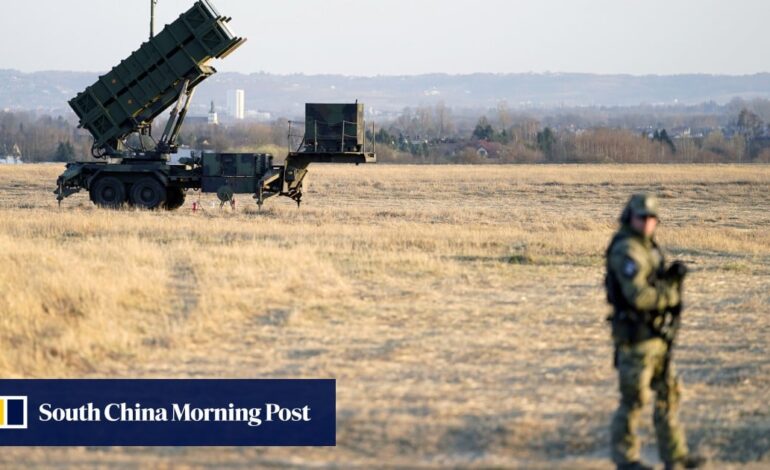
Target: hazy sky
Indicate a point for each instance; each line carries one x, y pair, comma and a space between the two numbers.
393, 37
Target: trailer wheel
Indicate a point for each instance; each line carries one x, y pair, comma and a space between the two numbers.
175, 198
148, 193
108, 192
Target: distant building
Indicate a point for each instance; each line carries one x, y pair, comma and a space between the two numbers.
261, 116
213, 117
236, 103
486, 149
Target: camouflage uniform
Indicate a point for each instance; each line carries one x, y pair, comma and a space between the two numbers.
637, 290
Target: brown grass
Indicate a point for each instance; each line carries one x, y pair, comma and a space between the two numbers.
459, 308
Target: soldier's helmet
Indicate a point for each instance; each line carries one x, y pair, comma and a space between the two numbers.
640, 204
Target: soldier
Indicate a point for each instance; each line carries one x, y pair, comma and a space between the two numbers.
646, 300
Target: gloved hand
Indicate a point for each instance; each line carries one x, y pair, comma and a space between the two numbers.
676, 272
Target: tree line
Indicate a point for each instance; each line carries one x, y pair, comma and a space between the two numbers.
439, 134
501, 136
41, 138
58, 139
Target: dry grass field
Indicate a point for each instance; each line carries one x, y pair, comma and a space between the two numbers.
459, 308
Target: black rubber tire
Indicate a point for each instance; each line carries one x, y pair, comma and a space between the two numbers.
108, 192
174, 198
148, 193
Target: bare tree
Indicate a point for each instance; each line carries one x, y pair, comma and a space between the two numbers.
444, 120
504, 116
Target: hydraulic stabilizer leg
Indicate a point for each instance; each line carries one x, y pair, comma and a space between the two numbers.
264, 183
260, 197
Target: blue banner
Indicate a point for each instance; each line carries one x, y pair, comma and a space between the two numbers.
145, 412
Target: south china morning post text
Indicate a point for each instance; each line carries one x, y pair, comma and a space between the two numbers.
122, 412
174, 412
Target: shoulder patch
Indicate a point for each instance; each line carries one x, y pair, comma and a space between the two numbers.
630, 268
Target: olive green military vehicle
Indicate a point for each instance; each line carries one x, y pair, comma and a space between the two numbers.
136, 169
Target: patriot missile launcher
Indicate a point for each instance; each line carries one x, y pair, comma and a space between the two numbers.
136, 169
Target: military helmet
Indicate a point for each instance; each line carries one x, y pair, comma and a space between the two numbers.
641, 204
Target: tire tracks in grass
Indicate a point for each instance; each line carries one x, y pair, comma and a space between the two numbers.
183, 299
183, 287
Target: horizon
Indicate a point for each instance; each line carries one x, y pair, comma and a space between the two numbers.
385, 93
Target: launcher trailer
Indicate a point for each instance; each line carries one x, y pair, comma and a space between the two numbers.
133, 167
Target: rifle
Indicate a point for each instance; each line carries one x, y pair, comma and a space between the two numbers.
672, 317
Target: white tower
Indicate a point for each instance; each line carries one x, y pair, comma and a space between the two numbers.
213, 117
236, 103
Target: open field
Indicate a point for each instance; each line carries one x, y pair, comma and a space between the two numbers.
459, 308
